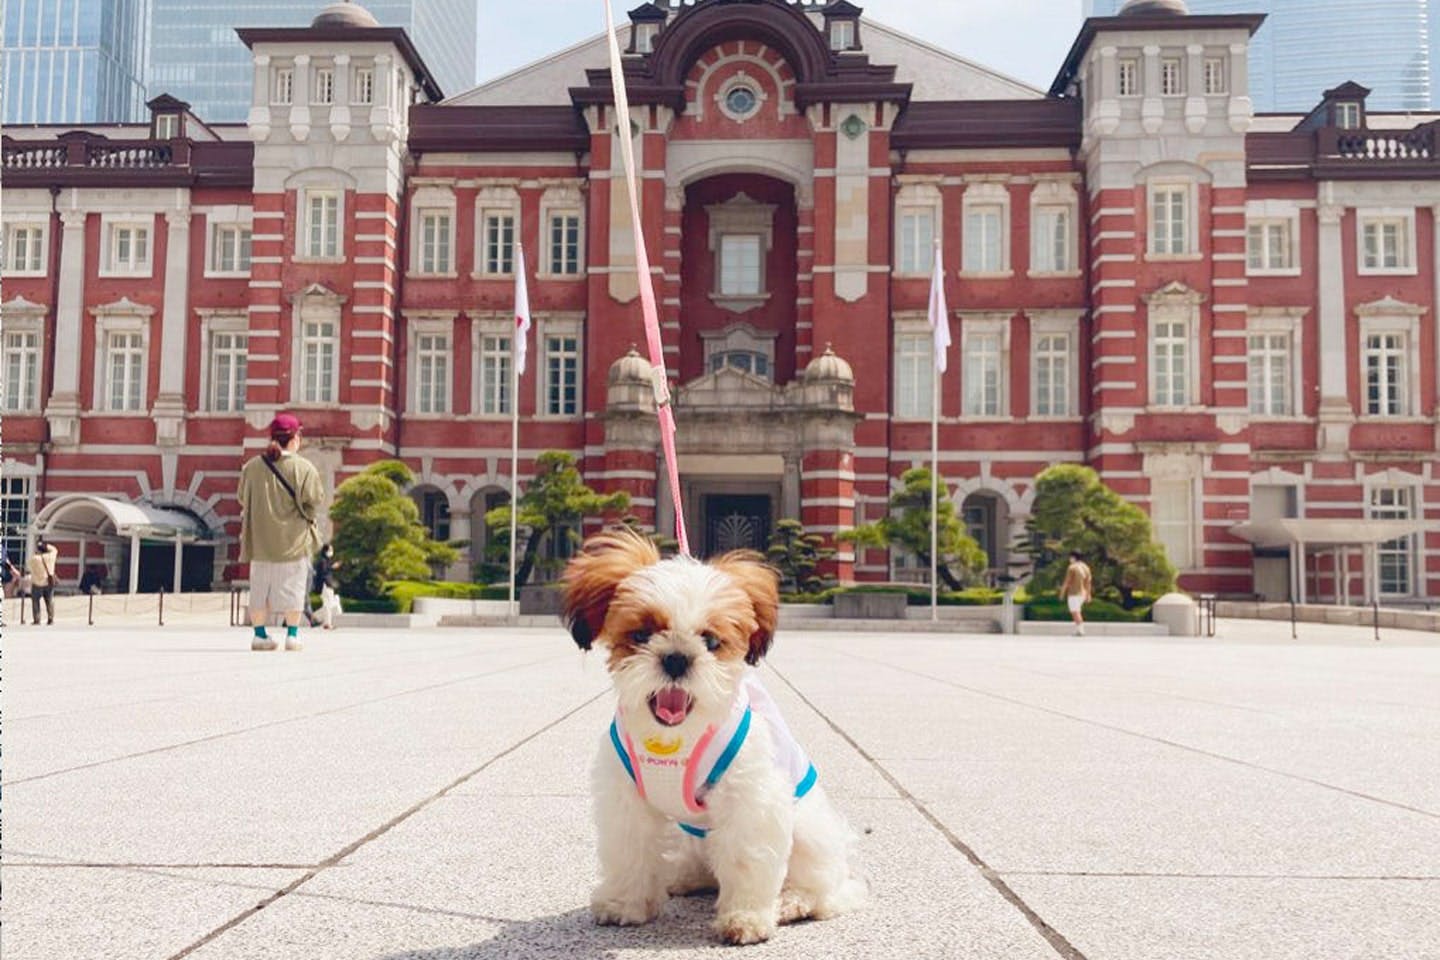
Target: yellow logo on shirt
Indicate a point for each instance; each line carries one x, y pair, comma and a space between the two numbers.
662, 747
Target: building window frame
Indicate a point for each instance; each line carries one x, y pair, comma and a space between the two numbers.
1395, 501
915, 239
17, 509
432, 367
1167, 239
842, 35
282, 86
1057, 328
128, 245
227, 335
1389, 318
36, 252
1054, 255
322, 87
1347, 114
1181, 531
556, 388
1215, 73
435, 245
22, 329
1399, 223
1172, 348
914, 367
327, 243
237, 222
132, 322
317, 348
561, 204
491, 344
1269, 323
645, 34
362, 91
1172, 76
985, 350
979, 257
1127, 77
1264, 221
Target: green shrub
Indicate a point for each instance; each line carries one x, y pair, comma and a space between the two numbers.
915, 596
369, 605
1099, 611
403, 593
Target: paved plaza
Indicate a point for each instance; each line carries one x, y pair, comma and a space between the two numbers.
422, 795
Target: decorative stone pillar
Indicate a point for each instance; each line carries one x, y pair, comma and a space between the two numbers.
1335, 413
790, 487
63, 410
1196, 109
1152, 108
382, 91
169, 411
460, 530
300, 99
259, 121
340, 105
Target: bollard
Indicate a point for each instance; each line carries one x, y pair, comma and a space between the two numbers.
162, 606
1293, 634
1375, 611
91, 617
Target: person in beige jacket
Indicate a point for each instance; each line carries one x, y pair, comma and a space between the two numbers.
280, 498
41, 567
1077, 590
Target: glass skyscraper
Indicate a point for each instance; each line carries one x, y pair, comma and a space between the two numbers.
195, 55
1308, 46
74, 61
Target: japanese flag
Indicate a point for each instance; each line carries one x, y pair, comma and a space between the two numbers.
522, 311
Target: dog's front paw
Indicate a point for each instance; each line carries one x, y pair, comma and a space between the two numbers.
610, 910
739, 927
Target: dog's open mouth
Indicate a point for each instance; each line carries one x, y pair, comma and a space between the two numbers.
670, 705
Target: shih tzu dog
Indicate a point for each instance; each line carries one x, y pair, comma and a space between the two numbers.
699, 784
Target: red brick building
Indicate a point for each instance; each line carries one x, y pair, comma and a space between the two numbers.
1231, 317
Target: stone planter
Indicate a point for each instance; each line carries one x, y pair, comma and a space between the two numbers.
871, 606
540, 601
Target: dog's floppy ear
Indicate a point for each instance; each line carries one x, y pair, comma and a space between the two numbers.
591, 578
762, 585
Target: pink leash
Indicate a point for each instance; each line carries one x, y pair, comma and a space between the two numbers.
659, 382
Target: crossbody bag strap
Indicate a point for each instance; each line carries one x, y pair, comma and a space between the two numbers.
288, 489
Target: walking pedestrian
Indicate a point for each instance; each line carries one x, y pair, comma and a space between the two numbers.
325, 567
1076, 590
42, 580
280, 497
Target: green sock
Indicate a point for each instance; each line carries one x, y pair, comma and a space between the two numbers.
260, 634
292, 632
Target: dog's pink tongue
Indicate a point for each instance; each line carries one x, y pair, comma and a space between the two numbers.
671, 705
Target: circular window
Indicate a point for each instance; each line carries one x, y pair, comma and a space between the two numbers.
741, 101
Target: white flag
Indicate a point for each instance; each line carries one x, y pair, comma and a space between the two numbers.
522, 311
939, 313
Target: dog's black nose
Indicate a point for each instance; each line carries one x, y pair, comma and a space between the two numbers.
675, 665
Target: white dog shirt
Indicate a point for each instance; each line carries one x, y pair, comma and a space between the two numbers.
673, 774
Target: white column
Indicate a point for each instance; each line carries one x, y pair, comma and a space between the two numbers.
1152, 108
134, 563
300, 100
179, 563
63, 409
169, 411
790, 487
259, 119
1300, 550
1335, 412
340, 107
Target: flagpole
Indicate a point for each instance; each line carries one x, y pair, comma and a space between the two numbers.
934, 494
514, 465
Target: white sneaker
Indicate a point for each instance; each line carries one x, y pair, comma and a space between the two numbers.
1080, 631
264, 643
293, 643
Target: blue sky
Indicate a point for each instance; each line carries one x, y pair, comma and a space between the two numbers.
1023, 38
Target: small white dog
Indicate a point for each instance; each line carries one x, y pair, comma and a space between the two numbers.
699, 784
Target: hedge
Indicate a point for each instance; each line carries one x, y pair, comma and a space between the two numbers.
1100, 611
915, 596
399, 595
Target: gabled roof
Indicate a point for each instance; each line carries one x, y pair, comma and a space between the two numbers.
842, 8
648, 13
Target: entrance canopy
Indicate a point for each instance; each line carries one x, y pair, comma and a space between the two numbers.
1337, 536
83, 515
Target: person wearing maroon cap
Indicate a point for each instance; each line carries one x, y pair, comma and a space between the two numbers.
280, 497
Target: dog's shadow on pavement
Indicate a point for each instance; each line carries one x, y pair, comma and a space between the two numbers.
683, 924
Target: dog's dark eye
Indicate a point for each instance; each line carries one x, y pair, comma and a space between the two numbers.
712, 642
640, 636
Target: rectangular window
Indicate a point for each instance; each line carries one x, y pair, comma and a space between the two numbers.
499, 243
230, 248
167, 126
282, 90
1169, 363
322, 234
645, 37
917, 239
324, 91
984, 250
740, 264
1172, 511
319, 347
562, 376
364, 85
125, 371
1395, 557
1172, 82
1169, 220
16, 504
842, 34
22, 370
25, 244
1386, 243
1052, 375
1129, 78
1050, 240
435, 241
432, 373
1386, 389
1214, 76
984, 375
914, 376
1268, 245
1347, 115
229, 352
494, 374
1269, 378
565, 244
129, 248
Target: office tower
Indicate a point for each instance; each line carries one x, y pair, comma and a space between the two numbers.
74, 61
1309, 46
196, 56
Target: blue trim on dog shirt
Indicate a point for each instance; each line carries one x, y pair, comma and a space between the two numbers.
620, 750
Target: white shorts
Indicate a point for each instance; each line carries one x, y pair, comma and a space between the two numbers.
281, 587
1075, 602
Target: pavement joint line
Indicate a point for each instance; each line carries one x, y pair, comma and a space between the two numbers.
1162, 875
85, 865
1114, 728
274, 723
1057, 941
380, 831
467, 650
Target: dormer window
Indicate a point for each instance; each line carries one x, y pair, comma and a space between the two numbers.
842, 35
167, 126
842, 25
1347, 115
645, 37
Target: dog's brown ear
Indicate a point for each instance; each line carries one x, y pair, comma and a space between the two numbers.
591, 578
761, 584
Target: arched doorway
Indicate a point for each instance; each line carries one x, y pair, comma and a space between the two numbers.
986, 517
488, 560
